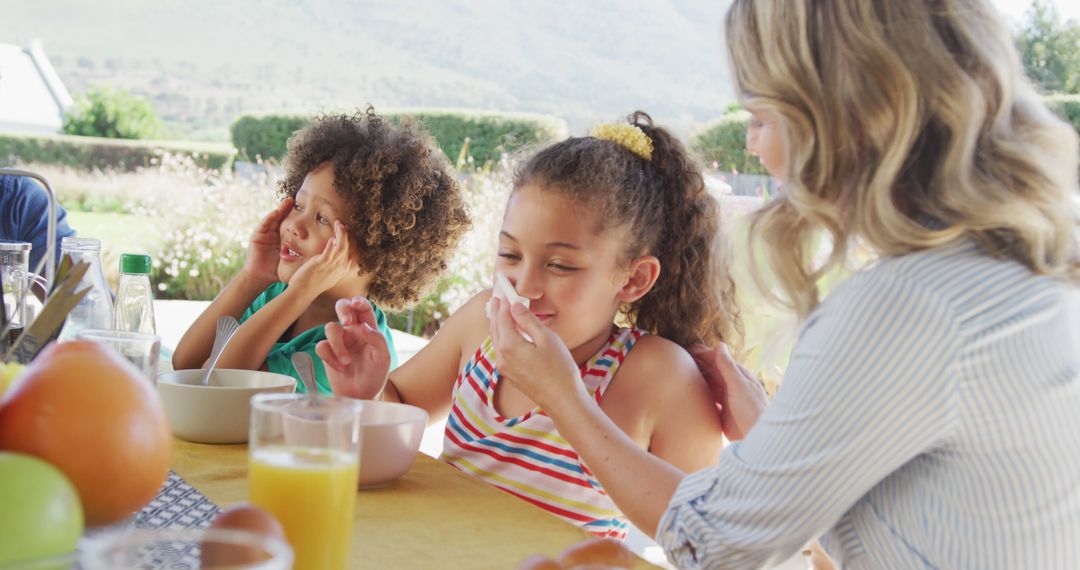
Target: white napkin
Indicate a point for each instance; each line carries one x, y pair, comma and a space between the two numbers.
502, 289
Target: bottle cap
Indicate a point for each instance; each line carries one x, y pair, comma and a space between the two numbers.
135, 263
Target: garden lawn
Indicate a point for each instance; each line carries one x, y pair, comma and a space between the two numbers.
119, 233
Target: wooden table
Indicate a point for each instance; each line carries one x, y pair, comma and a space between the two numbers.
433, 517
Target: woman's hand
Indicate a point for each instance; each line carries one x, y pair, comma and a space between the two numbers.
737, 392
542, 369
355, 353
326, 269
264, 252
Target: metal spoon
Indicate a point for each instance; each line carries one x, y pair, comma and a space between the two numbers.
306, 367
226, 328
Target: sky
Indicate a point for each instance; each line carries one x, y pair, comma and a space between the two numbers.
1014, 9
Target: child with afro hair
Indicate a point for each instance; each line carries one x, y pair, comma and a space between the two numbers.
368, 208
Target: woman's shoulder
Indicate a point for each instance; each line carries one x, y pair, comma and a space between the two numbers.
960, 280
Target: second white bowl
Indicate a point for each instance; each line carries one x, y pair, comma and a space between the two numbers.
390, 436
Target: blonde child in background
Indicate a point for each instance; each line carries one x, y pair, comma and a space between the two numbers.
370, 208
615, 226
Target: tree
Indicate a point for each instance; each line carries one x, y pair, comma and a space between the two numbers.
111, 113
1050, 48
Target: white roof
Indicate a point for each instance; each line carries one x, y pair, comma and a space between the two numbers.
32, 98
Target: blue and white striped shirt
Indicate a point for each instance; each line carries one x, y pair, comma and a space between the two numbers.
929, 418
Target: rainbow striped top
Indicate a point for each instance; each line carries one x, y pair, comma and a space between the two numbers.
525, 456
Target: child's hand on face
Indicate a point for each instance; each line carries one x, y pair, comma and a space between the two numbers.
264, 252
542, 369
330, 266
355, 353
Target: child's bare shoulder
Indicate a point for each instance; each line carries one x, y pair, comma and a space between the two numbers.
657, 366
656, 377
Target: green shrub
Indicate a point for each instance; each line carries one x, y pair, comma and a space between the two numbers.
428, 314
723, 141
1067, 107
89, 153
265, 136
114, 114
489, 134
722, 144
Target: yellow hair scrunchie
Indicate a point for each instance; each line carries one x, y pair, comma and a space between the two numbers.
630, 137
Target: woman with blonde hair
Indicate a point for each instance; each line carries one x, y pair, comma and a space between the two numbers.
930, 414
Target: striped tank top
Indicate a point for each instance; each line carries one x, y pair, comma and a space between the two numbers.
525, 456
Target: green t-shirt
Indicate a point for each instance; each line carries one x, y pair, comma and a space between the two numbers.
280, 358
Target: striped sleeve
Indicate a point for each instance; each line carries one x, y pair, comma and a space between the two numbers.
868, 388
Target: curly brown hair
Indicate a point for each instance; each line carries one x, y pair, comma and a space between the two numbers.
406, 209
663, 209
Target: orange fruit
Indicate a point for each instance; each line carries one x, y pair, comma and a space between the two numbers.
539, 562
89, 412
240, 517
600, 552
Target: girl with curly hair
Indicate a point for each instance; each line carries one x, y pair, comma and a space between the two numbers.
369, 208
612, 227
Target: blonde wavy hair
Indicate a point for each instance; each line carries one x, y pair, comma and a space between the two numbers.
896, 113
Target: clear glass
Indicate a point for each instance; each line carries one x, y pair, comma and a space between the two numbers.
140, 349
181, 549
67, 561
16, 282
303, 466
95, 311
134, 304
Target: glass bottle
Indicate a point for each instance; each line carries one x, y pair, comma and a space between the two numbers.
14, 261
95, 310
134, 297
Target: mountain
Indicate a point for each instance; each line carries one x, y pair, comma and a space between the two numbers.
202, 63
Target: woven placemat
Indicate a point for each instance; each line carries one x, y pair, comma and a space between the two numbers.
177, 505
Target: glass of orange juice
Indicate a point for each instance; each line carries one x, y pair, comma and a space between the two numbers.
303, 463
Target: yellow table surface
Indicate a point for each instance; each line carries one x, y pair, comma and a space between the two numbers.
433, 517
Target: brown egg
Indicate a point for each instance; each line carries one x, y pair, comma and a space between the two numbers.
241, 516
539, 562
597, 552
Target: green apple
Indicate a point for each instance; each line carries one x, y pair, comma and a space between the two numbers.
41, 515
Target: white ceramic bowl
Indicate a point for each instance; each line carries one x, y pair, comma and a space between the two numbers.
390, 436
221, 412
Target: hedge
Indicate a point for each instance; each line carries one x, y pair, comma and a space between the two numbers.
1067, 107
723, 142
88, 153
264, 137
490, 134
